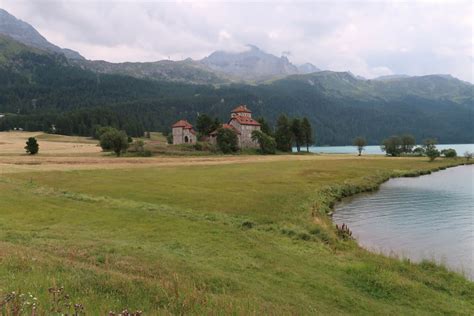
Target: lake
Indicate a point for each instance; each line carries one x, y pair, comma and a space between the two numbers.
429, 217
375, 150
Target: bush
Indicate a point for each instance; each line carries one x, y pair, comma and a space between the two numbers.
468, 155
145, 153
266, 142
392, 146
204, 146
449, 153
32, 146
419, 151
100, 130
360, 143
137, 146
138, 149
169, 139
430, 149
227, 140
114, 140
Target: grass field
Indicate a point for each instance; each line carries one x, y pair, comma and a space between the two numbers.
215, 235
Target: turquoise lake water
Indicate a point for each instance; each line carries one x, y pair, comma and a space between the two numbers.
375, 150
429, 217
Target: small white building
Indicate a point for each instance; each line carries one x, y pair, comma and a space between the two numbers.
183, 133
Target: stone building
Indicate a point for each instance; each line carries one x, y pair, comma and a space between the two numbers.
242, 123
183, 133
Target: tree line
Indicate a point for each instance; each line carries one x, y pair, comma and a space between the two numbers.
38, 91
405, 145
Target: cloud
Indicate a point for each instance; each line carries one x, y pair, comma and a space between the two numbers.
366, 38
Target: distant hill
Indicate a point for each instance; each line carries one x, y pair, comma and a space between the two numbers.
188, 71
346, 85
44, 88
252, 66
26, 34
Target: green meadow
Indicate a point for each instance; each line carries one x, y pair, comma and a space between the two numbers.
239, 238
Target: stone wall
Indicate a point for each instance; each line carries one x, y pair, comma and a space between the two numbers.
183, 136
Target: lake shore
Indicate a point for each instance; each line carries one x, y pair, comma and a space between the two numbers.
228, 234
370, 234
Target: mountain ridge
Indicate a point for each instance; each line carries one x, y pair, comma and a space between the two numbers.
44, 88
28, 35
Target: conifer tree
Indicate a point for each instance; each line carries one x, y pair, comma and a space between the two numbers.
307, 133
32, 146
283, 135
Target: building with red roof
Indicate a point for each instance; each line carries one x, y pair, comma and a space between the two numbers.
242, 123
183, 133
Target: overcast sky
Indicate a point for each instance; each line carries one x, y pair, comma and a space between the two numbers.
367, 38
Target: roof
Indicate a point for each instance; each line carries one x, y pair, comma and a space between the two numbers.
244, 120
182, 123
228, 127
241, 109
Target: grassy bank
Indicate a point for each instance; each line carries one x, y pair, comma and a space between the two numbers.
237, 238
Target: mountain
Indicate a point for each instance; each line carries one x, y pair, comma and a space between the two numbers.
43, 88
250, 65
188, 71
391, 77
307, 68
26, 34
253, 65
430, 87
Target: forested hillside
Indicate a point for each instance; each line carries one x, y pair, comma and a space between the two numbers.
38, 89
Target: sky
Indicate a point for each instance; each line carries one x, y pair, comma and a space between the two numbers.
368, 38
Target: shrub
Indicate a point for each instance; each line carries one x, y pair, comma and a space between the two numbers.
32, 146
468, 155
267, 143
344, 232
100, 130
430, 149
227, 140
114, 140
419, 151
137, 146
449, 153
360, 143
204, 146
392, 146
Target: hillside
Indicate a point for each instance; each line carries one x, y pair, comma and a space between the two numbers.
26, 34
187, 71
45, 89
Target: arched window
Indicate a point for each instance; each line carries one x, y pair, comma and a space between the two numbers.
186, 139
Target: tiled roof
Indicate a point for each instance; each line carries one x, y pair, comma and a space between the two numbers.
183, 123
244, 120
226, 126
241, 109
